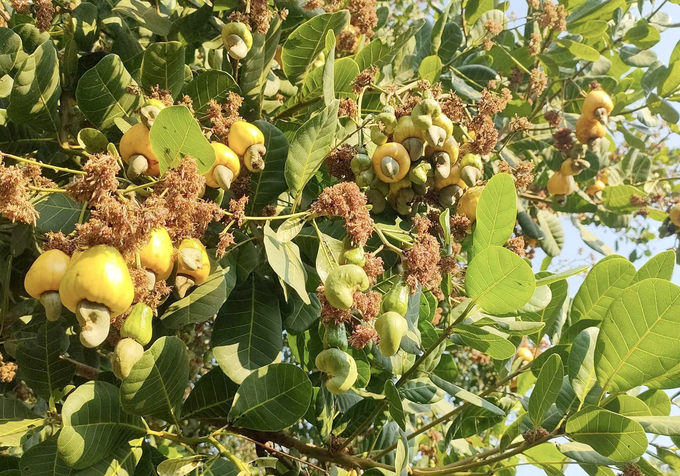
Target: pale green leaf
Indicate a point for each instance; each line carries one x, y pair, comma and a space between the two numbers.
210, 85
466, 396
496, 213
379, 53
499, 281
430, 69
15, 420
43, 460
394, 404
58, 212
284, 258
10, 46
553, 232
659, 266
176, 134
581, 363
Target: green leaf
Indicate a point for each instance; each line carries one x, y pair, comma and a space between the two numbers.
145, 14
211, 397
284, 258
466, 396
10, 46
642, 35
421, 390
345, 70
163, 66
478, 31
581, 363
452, 39
628, 406
157, 381
553, 232
308, 40
658, 402
637, 344
84, 24
210, 85
659, 266
486, 339
591, 240
554, 278
15, 420
638, 58
475, 8
580, 50
611, 435
547, 388
256, 66
608, 278
247, 333
58, 212
121, 462
301, 316
473, 420
43, 460
671, 80
328, 77
39, 358
181, 466
94, 424
617, 198
270, 183
499, 281
309, 146
93, 141
272, 398
35, 93
496, 213
378, 53
176, 134
659, 425
394, 404
593, 10
430, 69
205, 300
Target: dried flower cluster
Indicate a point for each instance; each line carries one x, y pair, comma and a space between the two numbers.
535, 44
538, 81
15, 195
363, 79
553, 16
338, 162
98, 182
519, 124
223, 115
564, 139
363, 16
345, 200
44, 14
422, 260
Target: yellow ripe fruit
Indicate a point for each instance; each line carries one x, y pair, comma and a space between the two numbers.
595, 100
391, 162
587, 129
46, 273
201, 273
525, 354
674, 215
247, 140
467, 206
598, 186
100, 275
158, 255
406, 129
561, 184
136, 141
224, 157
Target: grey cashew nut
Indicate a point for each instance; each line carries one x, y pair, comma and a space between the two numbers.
95, 321
137, 165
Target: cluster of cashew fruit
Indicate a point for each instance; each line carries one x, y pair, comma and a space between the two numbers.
339, 288
95, 283
245, 141
415, 155
590, 127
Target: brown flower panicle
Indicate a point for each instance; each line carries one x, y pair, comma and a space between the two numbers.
162, 95
368, 304
98, 182
422, 259
15, 195
338, 162
345, 200
363, 79
237, 208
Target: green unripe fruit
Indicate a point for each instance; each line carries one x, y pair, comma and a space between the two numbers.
396, 299
388, 118
355, 256
391, 327
473, 160
377, 201
340, 368
420, 173
361, 162
335, 336
377, 136
237, 39
125, 356
139, 324
364, 178
341, 284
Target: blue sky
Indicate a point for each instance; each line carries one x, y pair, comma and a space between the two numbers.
575, 250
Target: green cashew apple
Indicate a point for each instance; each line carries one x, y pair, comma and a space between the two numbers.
396, 299
341, 284
138, 324
125, 356
335, 336
340, 368
391, 327
355, 256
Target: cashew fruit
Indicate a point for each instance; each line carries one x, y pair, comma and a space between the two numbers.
589, 129
674, 215
574, 166
525, 354
335, 335
391, 162
560, 184
193, 265
237, 39
377, 201
247, 141
139, 324
597, 105
467, 205
126, 354
158, 255
391, 327
396, 299
136, 151
420, 173
150, 110
340, 368
342, 282
225, 169
355, 256
43, 279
